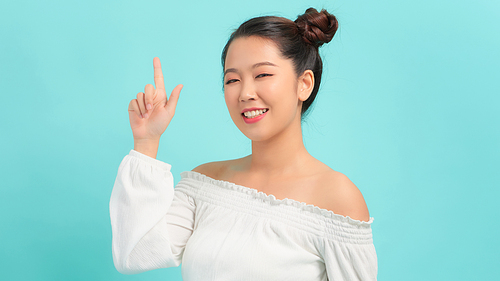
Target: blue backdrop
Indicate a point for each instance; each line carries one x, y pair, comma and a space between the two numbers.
408, 110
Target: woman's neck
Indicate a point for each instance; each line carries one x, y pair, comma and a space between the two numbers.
283, 154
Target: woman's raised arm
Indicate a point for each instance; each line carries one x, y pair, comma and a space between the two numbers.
150, 221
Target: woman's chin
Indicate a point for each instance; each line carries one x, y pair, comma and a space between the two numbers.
255, 135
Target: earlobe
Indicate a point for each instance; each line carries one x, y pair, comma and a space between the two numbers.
306, 85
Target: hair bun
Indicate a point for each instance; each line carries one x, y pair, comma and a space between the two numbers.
317, 28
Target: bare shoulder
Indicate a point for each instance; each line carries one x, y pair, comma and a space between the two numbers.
211, 169
218, 169
343, 196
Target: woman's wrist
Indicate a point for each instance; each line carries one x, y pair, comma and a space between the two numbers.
147, 146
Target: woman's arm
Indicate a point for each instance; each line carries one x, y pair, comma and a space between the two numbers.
151, 223
144, 208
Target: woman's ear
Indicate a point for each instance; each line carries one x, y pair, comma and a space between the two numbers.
305, 85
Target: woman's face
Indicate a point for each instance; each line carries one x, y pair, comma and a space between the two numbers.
260, 88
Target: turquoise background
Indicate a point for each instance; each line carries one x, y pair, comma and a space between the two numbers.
408, 110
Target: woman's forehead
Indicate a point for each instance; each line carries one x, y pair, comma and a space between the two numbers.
245, 52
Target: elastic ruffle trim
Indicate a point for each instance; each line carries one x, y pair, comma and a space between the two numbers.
274, 201
150, 160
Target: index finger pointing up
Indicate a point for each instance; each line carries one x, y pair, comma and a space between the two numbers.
159, 83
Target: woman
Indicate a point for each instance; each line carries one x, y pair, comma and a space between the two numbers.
277, 214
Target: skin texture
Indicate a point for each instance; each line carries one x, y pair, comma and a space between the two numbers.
279, 163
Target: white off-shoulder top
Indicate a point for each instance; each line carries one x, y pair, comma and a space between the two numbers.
222, 231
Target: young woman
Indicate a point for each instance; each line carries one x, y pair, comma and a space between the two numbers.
277, 214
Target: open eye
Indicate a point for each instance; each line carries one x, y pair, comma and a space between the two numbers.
231, 81
263, 75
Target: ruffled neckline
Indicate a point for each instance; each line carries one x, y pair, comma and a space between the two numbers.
274, 201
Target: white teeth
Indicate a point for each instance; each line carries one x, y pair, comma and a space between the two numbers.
254, 113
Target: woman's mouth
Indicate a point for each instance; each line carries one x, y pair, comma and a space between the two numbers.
254, 113
253, 116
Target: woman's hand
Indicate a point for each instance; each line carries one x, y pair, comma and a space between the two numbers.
151, 112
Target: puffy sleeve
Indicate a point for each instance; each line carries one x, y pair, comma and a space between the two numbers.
150, 221
349, 254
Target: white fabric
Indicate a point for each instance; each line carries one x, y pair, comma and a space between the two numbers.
222, 231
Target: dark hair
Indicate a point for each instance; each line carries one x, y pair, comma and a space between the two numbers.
298, 41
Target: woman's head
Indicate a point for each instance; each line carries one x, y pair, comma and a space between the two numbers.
297, 41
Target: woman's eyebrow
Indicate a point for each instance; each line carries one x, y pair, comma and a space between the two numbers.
230, 70
253, 66
263, 63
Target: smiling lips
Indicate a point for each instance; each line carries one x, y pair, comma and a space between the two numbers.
252, 115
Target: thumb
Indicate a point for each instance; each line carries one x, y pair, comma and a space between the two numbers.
174, 97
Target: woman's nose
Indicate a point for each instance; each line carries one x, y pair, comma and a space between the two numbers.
248, 93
